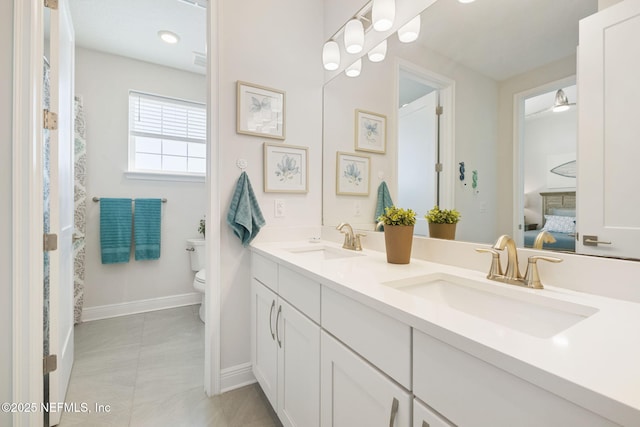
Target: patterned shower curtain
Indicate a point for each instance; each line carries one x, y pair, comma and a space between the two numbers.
80, 208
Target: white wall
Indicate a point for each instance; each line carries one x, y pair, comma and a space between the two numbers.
275, 45
6, 322
553, 133
505, 185
103, 80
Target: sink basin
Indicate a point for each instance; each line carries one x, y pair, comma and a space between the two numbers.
527, 312
321, 252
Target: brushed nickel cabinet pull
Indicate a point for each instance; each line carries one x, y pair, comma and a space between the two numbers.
273, 304
277, 332
394, 412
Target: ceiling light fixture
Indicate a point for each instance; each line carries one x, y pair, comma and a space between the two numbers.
410, 31
466, 1
354, 69
331, 55
378, 53
354, 36
562, 102
168, 37
383, 13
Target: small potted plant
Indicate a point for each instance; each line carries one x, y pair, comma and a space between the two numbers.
201, 227
398, 233
442, 222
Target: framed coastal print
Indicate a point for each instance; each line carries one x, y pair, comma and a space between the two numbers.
260, 111
371, 132
352, 174
285, 168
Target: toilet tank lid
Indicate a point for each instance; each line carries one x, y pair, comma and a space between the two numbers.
201, 276
196, 242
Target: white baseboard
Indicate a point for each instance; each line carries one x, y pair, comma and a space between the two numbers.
141, 306
236, 377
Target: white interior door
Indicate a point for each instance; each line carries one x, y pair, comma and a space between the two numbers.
61, 58
608, 128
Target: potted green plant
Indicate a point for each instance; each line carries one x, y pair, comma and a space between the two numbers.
442, 222
398, 233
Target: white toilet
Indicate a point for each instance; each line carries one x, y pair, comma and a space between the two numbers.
197, 252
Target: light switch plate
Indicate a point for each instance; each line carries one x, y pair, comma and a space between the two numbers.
279, 208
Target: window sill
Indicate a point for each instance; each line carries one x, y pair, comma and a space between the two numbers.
164, 176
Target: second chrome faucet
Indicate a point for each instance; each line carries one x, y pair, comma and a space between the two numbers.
512, 275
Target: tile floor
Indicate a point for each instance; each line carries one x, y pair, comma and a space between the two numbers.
149, 368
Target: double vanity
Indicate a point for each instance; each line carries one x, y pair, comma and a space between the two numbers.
342, 338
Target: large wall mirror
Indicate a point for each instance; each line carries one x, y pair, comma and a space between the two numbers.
491, 65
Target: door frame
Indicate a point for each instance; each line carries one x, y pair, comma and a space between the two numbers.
447, 88
518, 149
27, 208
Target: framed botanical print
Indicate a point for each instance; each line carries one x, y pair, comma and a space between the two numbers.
371, 132
352, 174
285, 168
260, 111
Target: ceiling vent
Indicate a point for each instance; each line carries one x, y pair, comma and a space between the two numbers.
199, 59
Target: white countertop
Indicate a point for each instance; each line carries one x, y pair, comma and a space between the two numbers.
594, 363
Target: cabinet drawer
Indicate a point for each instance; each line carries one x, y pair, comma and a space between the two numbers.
265, 270
300, 291
471, 392
380, 339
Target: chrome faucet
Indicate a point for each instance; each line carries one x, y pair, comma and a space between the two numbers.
512, 275
351, 239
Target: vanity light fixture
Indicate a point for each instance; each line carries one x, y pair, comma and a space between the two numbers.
331, 55
562, 102
383, 12
354, 36
354, 69
168, 37
410, 31
378, 53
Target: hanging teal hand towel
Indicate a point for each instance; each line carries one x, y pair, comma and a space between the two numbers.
115, 230
245, 216
146, 228
384, 200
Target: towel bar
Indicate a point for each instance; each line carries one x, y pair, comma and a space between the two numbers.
97, 199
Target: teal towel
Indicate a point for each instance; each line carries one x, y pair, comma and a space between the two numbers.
115, 230
245, 216
384, 200
146, 228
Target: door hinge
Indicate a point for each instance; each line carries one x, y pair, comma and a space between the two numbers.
438, 167
51, 4
50, 242
50, 120
439, 110
49, 363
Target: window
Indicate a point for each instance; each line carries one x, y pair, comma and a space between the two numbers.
166, 135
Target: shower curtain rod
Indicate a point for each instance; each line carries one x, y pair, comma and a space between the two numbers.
97, 199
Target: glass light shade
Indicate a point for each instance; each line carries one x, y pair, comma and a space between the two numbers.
378, 53
168, 37
331, 56
354, 69
382, 14
410, 31
562, 102
353, 36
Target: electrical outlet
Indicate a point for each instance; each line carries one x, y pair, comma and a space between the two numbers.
357, 209
483, 207
279, 208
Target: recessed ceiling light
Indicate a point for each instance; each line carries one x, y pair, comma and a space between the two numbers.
168, 37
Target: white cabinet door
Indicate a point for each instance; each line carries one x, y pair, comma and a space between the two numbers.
425, 417
608, 127
298, 368
354, 393
264, 350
